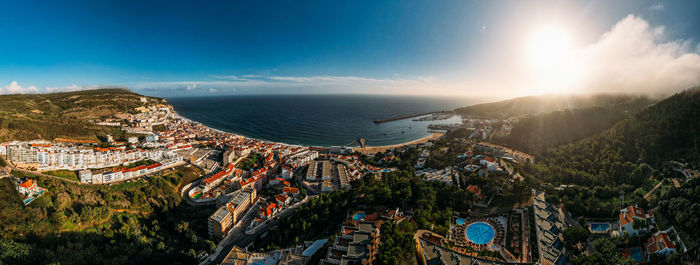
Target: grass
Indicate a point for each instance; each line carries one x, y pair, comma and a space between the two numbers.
66, 174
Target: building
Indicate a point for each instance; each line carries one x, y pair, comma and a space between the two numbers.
133, 140
283, 199
228, 215
219, 222
355, 244
311, 171
477, 191
110, 139
549, 229
660, 243
151, 138
628, 216
85, 175
27, 186
326, 170
343, 177
22, 154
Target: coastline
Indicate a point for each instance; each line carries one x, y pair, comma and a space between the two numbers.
366, 150
382, 148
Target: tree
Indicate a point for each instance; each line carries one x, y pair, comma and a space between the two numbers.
575, 234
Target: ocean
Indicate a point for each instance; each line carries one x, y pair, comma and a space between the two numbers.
318, 120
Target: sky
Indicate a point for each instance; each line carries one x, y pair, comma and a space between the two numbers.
472, 48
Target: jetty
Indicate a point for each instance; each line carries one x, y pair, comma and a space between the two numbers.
408, 116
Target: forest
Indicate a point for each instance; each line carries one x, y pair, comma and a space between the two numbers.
130, 223
625, 158
535, 134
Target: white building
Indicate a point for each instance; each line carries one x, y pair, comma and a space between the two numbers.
85, 175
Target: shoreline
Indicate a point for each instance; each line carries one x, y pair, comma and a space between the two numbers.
382, 148
366, 150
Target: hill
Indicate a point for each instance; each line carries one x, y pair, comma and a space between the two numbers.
547, 103
536, 133
68, 115
625, 158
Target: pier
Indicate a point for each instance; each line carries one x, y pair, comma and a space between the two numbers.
408, 116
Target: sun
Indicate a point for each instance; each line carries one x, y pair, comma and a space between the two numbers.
549, 48
550, 55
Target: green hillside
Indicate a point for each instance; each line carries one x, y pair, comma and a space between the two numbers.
536, 133
48, 116
548, 103
625, 158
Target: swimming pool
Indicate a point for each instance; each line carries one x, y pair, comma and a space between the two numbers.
460, 221
636, 254
359, 216
599, 227
480, 233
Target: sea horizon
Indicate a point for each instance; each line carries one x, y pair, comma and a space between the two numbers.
319, 120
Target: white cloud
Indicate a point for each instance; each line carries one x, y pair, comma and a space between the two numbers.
15, 88
657, 6
296, 84
634, 57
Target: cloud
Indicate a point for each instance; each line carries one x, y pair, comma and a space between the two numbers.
15, 88
635, 57
657, 6
255, 84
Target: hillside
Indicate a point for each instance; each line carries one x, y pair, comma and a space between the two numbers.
536, 133
48, 116
548, 103
625, 158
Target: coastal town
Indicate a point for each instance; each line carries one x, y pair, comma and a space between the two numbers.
254, 184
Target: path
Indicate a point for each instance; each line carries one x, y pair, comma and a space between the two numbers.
646, 196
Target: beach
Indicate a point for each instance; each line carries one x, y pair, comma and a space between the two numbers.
376, 149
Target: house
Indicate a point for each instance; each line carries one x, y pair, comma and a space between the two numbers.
660, 243
283, 199
631, 214
490, 163
269, 210
27, 186
477, 191
290, 191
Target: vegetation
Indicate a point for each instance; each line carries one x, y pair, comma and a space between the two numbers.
398, 246
252, 161
548, 103
623, 158
159, 128
64, 115
535, 134
575, 234
3, 163
605, 253
129, 223
66, 174
682, 205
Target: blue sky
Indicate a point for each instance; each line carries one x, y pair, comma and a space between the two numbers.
279, 47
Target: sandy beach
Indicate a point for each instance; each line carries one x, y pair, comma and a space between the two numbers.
375, 149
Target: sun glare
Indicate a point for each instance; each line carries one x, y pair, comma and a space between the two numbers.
550, 55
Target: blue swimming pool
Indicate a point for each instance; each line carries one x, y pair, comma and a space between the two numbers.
480, 233
359, 216
600, 227
636, 254
460, 221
